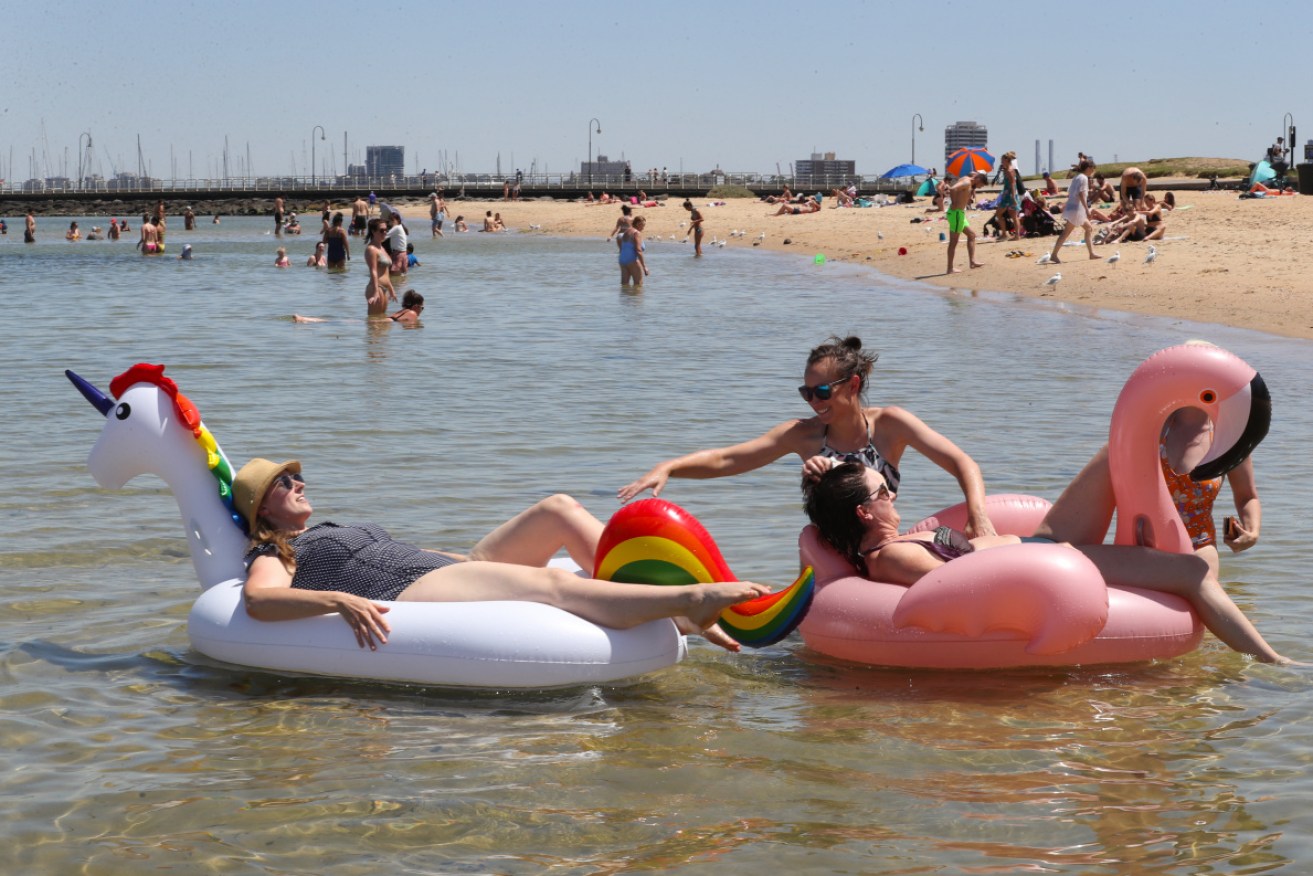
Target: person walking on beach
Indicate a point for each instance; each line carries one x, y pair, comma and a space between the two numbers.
960, 194
1077, 212
278, 215
29, 228
695, 226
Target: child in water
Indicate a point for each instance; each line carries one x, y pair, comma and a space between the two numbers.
282, 261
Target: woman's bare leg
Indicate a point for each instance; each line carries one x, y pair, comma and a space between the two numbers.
1189, 577
618, 606
1083, 512
533, 536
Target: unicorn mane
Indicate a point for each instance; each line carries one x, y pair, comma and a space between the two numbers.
190, 416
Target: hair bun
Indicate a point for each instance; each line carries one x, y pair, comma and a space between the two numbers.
852, 342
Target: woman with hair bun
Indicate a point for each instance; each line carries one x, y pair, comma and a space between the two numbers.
841, 429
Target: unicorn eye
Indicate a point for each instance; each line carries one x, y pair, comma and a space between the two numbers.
123, 411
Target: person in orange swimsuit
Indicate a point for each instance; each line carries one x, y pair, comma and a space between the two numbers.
1187, 435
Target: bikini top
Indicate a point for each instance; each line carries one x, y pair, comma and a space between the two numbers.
867, 456
948, 544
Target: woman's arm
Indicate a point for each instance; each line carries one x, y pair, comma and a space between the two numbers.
269, 596
1250, 510
722, 462
901, 563
638, 250
902, 429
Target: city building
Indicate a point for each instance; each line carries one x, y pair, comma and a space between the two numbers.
385, 161
823, 170
602, 170
962, 134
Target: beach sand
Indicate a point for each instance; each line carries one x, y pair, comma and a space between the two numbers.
1246, 263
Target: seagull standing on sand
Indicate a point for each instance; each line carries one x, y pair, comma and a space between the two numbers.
1153, 254
1044, 259
879, 235
1053, 281
1115, 257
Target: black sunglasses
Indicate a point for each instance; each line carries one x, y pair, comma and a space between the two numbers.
288, 480
822, 392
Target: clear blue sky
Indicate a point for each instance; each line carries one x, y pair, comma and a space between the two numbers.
674, 84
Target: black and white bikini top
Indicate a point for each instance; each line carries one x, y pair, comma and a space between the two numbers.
867, 456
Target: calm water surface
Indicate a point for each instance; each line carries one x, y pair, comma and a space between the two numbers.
534, 373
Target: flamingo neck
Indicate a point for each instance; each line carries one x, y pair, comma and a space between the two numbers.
1146, 513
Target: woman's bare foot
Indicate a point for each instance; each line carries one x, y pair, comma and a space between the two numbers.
707, 601
713, 634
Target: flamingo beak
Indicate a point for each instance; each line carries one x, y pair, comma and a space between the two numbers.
1234, 445
98, 399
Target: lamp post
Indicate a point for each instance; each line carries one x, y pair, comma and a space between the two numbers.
313, 170
81, 153
591, 123
918, 124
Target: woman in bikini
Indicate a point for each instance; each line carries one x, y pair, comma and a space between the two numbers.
842, 428
379, 291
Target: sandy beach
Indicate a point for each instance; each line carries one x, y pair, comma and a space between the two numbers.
1224, 260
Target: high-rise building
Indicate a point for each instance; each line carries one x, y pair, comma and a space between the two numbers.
962, 134
824, 170
385, 161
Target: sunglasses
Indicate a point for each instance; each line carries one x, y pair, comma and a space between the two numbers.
880, 492
287, 480
822, 392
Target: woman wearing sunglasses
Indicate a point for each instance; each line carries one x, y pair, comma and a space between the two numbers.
295, 570
853, 508
841, 429
379, 290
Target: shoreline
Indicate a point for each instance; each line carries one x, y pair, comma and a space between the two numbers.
1233, 262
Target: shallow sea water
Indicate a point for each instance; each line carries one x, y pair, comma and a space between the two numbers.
535, 373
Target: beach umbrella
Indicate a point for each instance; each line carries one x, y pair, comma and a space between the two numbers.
1262, 173
904, 170
969, 160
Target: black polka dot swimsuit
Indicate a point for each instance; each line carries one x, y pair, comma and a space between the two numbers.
360, 559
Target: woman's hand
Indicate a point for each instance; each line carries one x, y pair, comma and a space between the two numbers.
1239, 539
979, 525
654, 480
365, 618
816, 466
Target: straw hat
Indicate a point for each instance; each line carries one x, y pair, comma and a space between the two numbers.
253, 481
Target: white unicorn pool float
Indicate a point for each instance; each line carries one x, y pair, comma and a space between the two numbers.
151, 428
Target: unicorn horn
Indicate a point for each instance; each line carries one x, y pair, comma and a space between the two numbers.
98, 399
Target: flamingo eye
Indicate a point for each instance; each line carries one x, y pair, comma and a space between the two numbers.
1208, 396
123, 411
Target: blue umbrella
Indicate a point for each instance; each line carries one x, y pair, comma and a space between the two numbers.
904, 170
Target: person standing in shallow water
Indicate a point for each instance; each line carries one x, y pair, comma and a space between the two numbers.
695, 226
278, 215
29, 228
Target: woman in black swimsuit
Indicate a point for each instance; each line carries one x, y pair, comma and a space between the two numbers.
841, 428
295, 570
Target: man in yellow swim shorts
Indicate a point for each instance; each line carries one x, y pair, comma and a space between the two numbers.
960, 195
